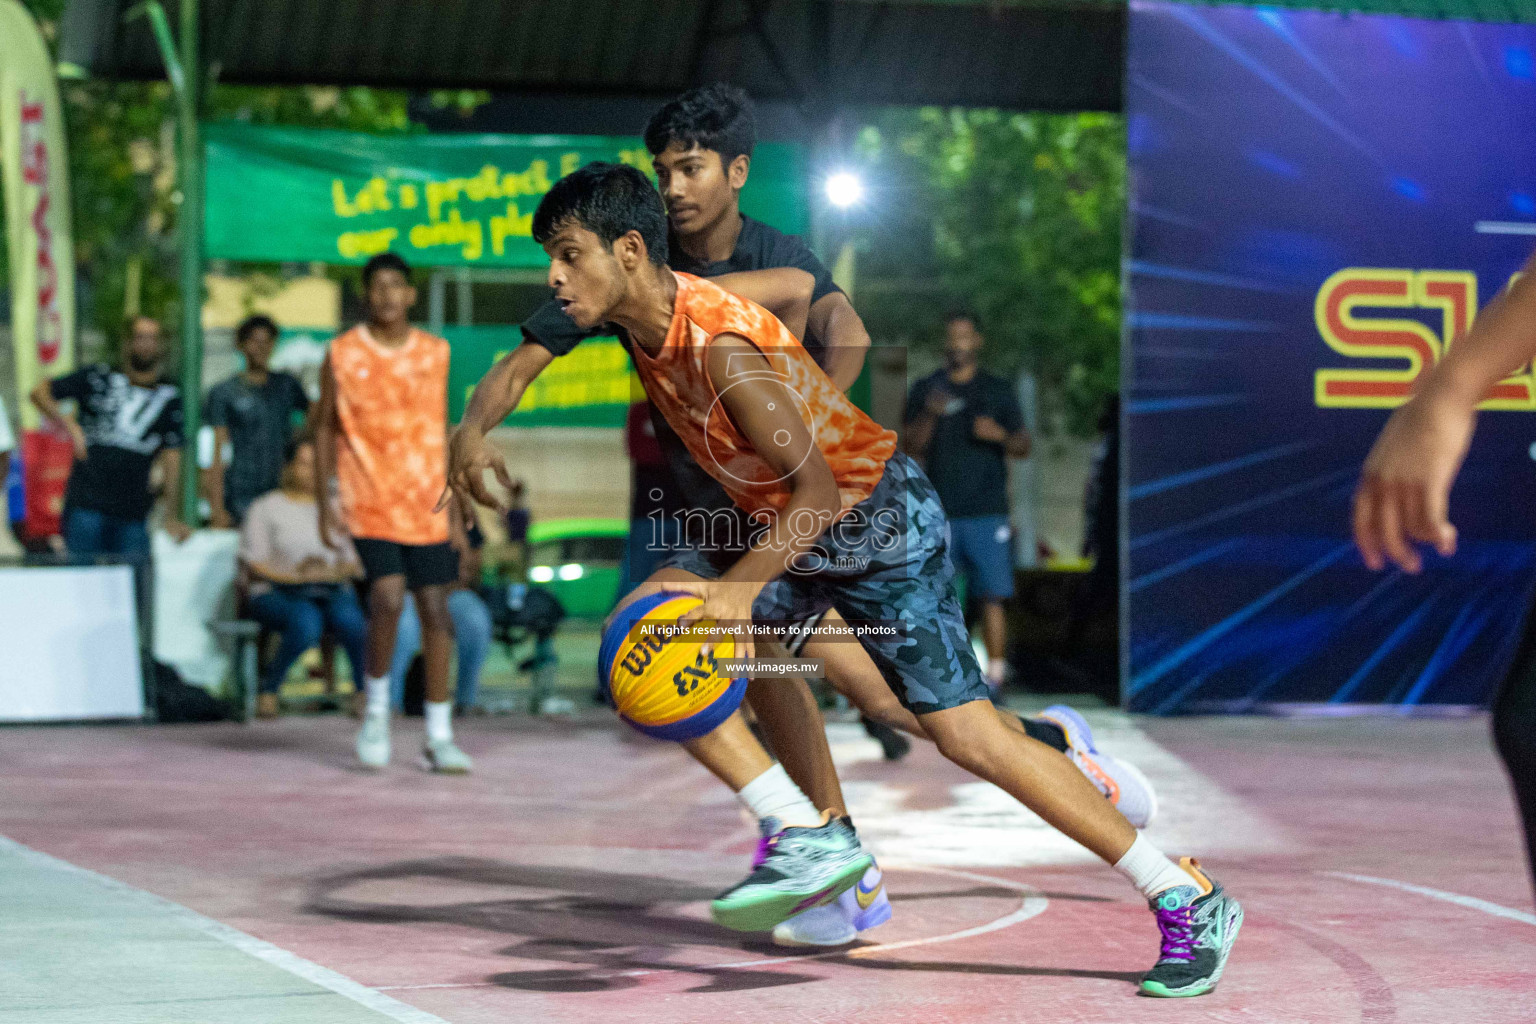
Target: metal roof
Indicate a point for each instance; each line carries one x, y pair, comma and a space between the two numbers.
1047, 54
815, 54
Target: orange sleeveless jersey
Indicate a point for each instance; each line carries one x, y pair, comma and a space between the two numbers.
391, 449
677, 380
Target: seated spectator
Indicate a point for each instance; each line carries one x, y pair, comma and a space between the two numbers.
471, 633
299, 587
254, 412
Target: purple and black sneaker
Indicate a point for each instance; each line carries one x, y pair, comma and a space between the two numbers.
1199, 926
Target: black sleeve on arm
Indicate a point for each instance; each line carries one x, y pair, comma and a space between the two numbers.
550, 327
300, 398
71, 385
791, 251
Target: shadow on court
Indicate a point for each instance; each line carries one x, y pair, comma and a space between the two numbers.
608, 929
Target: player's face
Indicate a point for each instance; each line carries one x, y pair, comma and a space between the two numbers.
962, 344
696, 185
258, 346
390, 297
585, 275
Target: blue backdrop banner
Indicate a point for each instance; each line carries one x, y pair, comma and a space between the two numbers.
1320, 203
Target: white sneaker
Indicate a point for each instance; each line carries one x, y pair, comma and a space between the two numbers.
373, 741
1121, 782
444, 756
838, 923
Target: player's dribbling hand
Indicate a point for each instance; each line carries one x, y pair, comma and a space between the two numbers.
724, 602
1405, 487
469, 456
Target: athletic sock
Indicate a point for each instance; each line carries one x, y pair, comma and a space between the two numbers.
439, 721
1049, 733
996, 669
378, 695
1145, 866
774, 794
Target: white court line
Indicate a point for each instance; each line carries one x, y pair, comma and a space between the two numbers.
1034, 904
1504, 227
248, 944
1470, 902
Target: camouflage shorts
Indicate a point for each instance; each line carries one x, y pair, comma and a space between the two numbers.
885, 567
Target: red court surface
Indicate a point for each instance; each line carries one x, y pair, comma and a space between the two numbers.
568, 878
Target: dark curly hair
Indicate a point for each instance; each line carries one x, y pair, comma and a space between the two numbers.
251, 324
385, 261
717, 117
609, 200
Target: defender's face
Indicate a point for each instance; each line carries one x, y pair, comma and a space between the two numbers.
962, 343
696, 186
258, 346
585, 275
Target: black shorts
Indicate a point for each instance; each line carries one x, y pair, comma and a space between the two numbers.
422, 565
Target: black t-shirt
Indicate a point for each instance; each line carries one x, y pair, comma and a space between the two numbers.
970, 476
125, 426
260, 421
758, 247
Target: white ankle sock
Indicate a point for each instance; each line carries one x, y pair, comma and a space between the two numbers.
997, 668
378, 695
439, 721
774, 794
1151, 872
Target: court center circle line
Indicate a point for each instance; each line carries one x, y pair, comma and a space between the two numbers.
1470, 902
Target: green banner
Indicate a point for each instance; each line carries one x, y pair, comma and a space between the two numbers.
591, 386
296, 194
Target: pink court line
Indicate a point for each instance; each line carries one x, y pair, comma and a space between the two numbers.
1033, 905
1470, 902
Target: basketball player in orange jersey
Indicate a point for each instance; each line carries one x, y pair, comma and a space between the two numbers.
382, 432
847, 522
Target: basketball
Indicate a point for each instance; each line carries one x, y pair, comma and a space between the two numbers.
665, 686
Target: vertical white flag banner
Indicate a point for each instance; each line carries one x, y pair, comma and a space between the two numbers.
34, 172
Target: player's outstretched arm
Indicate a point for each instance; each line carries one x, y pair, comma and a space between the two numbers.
469, 453
783, 291
1405, 487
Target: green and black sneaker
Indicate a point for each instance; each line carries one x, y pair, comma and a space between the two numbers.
797, 869
1199, 926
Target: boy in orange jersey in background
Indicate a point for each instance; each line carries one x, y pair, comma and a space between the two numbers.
382, 432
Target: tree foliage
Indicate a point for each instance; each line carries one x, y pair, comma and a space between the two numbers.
122, 159
1016, 216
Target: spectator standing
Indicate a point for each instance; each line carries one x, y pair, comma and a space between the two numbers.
965, 423
253, 413
299, 586
126, 420
655, 508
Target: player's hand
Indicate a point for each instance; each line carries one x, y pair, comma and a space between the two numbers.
726, 603
178, 530
985, 428
220, 520
469, 456
1405, 487
938, 402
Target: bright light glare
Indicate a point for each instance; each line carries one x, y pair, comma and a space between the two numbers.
570, 571
844, 189
541, 574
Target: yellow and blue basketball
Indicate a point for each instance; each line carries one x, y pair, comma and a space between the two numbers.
662, 683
